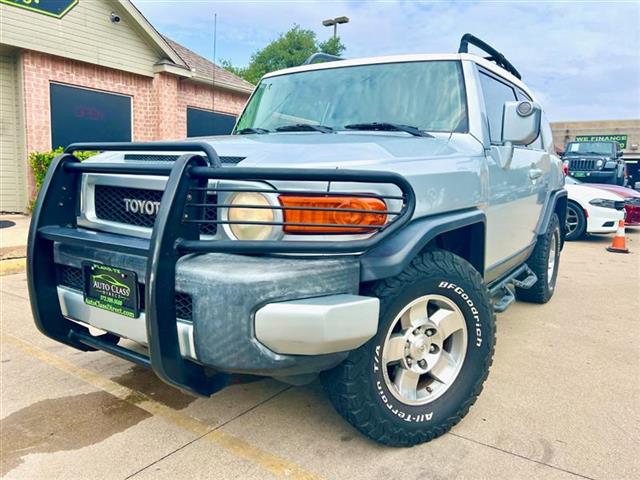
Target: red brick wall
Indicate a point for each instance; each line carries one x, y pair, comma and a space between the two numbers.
159, 104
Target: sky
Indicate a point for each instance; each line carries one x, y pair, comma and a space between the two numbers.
581, 59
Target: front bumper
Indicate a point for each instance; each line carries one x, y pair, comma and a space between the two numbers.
603, 220
594, 176
259, 315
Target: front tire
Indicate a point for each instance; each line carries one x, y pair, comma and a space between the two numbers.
576, 222
426, 365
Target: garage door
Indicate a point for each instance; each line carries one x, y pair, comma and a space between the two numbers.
13, 183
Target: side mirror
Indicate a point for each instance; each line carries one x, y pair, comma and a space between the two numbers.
520, 126
520, 122
618, 153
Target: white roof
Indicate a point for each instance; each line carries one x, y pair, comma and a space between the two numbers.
417, 57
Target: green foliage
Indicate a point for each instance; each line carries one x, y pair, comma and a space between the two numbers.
289, 50
40, 161
333, 46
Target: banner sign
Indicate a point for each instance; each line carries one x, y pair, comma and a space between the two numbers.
51, 8
621, 139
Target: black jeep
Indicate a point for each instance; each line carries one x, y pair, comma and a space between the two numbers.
595, 162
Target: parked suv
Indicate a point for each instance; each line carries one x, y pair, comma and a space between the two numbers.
595, 162
364, 222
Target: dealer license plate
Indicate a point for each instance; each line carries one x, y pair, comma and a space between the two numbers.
111, 288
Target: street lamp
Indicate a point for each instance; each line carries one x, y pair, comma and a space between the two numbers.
335, 21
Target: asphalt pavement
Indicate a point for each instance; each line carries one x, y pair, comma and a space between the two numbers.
562, 402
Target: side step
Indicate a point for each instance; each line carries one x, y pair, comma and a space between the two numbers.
502, 293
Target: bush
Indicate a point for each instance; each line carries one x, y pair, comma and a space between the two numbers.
40, 161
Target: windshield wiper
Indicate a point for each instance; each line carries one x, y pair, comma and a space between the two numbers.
304, 127
246, 131
385, 126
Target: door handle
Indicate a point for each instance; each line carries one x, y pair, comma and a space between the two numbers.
535, 173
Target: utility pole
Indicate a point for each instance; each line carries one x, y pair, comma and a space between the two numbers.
334, 22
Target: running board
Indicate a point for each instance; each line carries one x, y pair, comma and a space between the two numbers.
502, 293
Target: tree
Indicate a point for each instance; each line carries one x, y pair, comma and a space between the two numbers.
289, 50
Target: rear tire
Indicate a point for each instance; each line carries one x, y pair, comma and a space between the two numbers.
544, 262
426, 365
576, 222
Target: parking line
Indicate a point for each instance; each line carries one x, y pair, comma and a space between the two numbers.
275, 465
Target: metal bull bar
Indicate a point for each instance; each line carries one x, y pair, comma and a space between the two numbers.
176, 232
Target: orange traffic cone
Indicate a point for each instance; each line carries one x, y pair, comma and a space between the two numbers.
619, 244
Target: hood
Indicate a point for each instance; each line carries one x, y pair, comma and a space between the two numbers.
588, 190
318, 150
617, 189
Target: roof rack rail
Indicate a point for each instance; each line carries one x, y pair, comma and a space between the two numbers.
321, 57
494, 55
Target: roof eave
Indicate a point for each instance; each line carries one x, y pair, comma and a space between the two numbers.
220, 84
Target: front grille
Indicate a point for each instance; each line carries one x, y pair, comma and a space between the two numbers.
582, 164
145, 157
71, 277
111, 204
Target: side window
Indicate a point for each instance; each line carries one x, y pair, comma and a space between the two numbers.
495, 94
537, 143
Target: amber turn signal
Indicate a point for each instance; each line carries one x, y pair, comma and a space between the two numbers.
332, 214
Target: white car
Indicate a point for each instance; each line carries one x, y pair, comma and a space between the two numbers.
591, 210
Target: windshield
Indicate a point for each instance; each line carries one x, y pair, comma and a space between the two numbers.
426, 95
584, 148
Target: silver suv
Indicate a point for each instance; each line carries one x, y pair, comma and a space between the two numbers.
363, 223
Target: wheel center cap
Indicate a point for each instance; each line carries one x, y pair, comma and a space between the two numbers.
419, 346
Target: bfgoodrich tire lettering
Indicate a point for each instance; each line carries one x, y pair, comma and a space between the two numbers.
358, 388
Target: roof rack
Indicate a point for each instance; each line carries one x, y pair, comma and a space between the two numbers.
321, 57
494, 55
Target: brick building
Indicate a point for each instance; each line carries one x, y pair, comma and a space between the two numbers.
626, 132
98, 71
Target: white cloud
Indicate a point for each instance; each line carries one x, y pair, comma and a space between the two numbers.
583, 58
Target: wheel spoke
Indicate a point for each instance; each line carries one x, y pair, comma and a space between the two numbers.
406, 381
444, 370
447, 322
394, 349
416, 315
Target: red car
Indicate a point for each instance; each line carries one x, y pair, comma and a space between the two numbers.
631, 198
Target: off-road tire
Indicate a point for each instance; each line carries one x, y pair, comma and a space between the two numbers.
543, 289
357, 388
581, 228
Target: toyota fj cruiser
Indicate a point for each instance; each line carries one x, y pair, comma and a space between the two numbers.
364, 222
595, 162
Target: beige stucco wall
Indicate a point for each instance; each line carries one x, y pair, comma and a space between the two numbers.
86, 34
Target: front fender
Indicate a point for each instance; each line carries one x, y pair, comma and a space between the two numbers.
392, 255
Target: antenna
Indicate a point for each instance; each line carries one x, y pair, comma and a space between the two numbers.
213, 75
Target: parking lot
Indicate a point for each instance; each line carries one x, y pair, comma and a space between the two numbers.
562, 401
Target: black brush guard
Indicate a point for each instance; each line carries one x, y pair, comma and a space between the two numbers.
175, 233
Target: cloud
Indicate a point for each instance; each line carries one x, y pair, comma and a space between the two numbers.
582, 58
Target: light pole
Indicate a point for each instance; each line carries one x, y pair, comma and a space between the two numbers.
334, 22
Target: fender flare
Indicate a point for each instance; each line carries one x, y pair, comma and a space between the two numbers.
557, 196
392, 255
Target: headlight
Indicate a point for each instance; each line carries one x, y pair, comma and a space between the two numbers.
603, 202
599, 163
250, 231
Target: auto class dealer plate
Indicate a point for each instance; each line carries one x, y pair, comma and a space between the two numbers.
111, 288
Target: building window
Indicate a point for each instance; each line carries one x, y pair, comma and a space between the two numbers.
83, 115
201, 123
